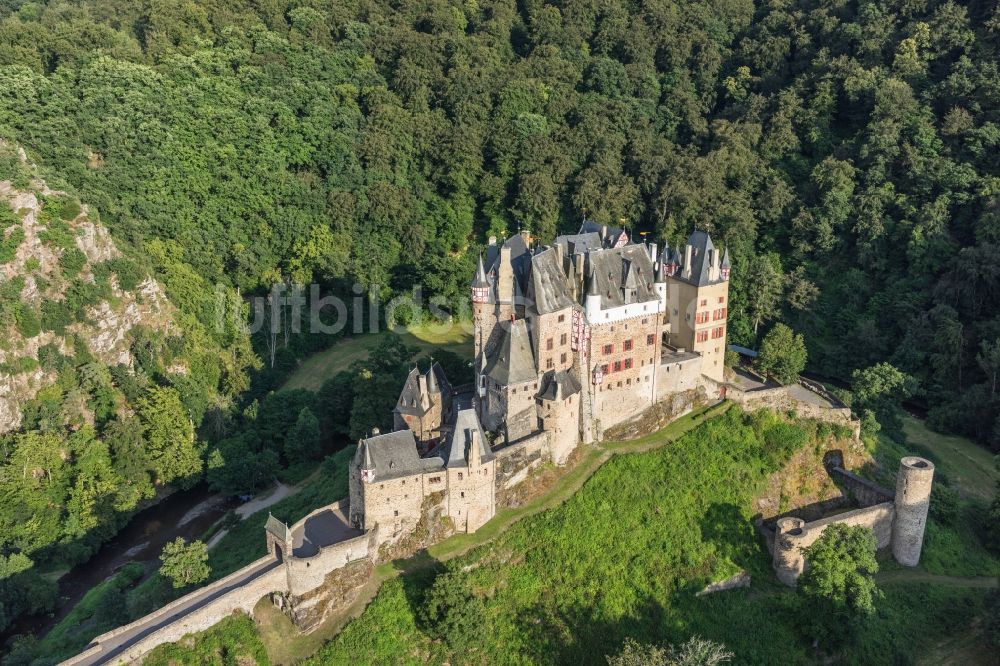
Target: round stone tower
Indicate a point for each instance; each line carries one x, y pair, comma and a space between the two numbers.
913, 498
789, 562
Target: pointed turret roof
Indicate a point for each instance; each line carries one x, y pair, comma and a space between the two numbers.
725, 259
480, 279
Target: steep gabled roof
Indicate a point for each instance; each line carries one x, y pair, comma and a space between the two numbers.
549, 290
700, 275
579, 243
409, 398
277, 528
512, 362
394, 455
461, 438
614, 269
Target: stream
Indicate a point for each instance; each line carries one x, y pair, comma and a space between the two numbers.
185, 513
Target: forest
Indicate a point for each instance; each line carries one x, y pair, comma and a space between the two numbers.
846, 153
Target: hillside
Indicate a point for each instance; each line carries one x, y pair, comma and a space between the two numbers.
67, 290
625, 556
102, 385
844, 152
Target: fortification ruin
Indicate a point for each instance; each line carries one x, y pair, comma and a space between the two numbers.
897, 518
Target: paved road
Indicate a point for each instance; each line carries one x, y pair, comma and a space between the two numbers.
196, 600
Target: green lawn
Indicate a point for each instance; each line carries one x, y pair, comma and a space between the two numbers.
969, 468
426, 338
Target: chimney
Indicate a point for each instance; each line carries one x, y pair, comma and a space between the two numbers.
652, 252
375, 431
687, 260
505, 277
472, 435
493, 241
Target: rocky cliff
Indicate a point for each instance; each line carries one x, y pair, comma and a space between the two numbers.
66, 291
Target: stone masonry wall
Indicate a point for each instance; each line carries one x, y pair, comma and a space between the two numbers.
165, 628
865, 492
515, 462
339, 589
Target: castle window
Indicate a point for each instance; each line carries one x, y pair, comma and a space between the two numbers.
629, 381
463, 494
608, 349
628, 364
704, 301
701, 336
549, 364
562, 318
435, 479
619, 384
548, 344
722, 299
395, 513
645, 321
651, 339
562, 357
562, 339
627, 346
604, 369
618, 366
459, 476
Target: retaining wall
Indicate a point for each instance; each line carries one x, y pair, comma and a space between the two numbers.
210, 604
865, 493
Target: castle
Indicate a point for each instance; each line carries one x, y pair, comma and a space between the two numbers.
570, 339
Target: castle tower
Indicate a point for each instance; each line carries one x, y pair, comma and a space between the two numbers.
698, 302
789, 562
483, 315
913, 498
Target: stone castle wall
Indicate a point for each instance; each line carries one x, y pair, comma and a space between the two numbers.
897, 522
212, 604
864, 492
308, 573
515, 462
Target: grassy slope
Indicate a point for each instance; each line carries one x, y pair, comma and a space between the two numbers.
567, 584
968, 467
426, 337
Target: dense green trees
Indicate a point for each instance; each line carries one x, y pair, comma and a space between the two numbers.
782, 354
839, 585
846, 153
184, 563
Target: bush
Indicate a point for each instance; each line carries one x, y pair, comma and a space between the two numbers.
72, 262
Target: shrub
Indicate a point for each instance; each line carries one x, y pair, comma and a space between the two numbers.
72, 262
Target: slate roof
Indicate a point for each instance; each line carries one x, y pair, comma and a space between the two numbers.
512, 362
701, 244
550, 287
610, 236
409, 398
579, 243
277, 528
410, 401
394, 455
460, 439
558, 385
520, 260
614, 270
